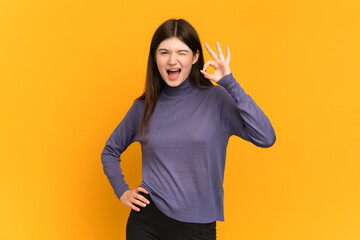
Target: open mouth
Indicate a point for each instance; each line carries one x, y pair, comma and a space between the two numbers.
174, 73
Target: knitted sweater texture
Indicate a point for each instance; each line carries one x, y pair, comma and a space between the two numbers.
184, 148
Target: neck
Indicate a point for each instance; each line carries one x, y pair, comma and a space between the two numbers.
178, 91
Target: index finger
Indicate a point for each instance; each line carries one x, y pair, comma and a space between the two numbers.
211, 52
141, 197
141, 189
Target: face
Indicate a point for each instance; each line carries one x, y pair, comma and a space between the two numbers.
174, 60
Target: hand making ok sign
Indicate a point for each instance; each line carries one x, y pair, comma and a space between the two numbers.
220, 64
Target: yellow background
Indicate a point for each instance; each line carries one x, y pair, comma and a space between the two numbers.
70, 70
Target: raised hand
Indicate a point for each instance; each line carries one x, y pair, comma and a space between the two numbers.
220, 64
131, 197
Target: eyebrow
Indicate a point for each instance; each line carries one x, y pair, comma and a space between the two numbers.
181, 50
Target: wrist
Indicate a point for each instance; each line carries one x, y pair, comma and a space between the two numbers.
225, 78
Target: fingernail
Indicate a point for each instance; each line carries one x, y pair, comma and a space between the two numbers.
148, 202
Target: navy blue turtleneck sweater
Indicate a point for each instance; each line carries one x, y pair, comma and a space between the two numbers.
183, 155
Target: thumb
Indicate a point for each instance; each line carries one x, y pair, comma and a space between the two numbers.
207, 75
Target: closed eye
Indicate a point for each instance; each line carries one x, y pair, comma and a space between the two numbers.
183, 52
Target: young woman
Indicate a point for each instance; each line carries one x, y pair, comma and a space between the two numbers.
183, 123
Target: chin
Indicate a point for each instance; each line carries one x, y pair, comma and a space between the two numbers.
174, 83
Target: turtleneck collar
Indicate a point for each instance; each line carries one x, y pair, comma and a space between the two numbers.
175, 92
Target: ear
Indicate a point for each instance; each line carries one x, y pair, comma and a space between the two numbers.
196, 57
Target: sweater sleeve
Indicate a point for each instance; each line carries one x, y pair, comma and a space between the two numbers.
242, 117
123, 135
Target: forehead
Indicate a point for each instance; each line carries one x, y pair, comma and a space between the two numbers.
173, 43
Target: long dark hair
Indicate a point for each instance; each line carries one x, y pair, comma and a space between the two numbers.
182, 30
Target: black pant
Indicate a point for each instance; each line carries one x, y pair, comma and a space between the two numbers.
151, 224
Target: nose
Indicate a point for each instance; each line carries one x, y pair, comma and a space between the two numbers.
172, 59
